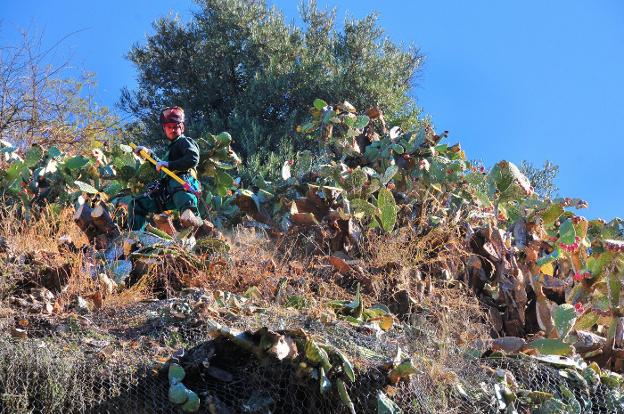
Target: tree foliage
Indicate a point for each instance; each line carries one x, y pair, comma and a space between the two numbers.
542, 179
238, 66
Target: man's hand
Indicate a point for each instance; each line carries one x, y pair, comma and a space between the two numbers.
161, 164
140, 148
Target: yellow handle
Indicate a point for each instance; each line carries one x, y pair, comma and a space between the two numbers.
166, 170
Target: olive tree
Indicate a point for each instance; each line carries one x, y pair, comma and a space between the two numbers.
238, 66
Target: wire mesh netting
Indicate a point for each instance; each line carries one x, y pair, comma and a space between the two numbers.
115, 361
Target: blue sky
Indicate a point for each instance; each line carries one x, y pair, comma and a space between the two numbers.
530, 80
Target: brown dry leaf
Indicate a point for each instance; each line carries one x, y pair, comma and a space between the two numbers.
391, 391
269, 265
339, 264
543, 311
532, 251
373, 112
216, 263
576, 261
619, 334
489, 248
530, 351
97, 299
58, 306
304, 219
23, 323
128, 246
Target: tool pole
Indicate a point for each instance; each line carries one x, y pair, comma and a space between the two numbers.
147, 156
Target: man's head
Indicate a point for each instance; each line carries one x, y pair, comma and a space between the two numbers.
172, 122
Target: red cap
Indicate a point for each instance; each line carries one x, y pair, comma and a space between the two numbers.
173, 114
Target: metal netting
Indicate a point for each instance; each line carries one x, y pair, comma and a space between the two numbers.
113, 361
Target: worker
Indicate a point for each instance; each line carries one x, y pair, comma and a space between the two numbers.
168, 194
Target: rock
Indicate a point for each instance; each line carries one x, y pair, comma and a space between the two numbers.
48, 308
82, 306
189, 219
588, 341
106, 284
114, 252
219, 374
19, 333
42, 294
509, 344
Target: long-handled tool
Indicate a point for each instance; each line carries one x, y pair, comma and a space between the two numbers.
147, 156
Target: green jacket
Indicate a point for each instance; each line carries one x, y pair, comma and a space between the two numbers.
183, 154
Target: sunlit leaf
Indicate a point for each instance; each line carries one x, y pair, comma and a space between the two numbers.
192, 402
176, 372
388, 209
86, 187
177, 393
547, 346
567, 233
344, 395
76, 162
564, 317
319, 103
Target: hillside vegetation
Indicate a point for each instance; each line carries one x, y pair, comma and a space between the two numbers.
389, 233
352, 258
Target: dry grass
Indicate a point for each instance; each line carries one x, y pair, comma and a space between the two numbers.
418, 244
35, 251
257, 261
